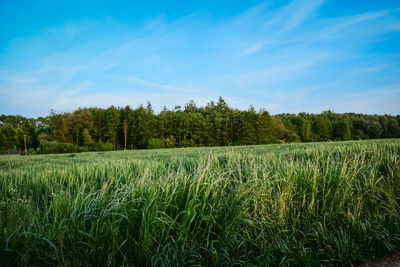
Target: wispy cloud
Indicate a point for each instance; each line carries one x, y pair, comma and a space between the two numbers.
293, 15
17, 80
369, 69
253, 48
164, 86
338, 25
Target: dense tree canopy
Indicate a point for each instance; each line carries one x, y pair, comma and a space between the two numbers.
216, 124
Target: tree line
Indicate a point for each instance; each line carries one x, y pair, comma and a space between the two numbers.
216, 124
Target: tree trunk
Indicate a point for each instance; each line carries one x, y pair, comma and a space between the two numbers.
8, 149
26, 150
125, 133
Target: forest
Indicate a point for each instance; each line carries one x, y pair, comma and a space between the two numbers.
216, 124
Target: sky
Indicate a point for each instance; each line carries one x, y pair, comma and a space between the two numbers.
282, 56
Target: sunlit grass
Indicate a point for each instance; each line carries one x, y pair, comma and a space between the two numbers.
298, 204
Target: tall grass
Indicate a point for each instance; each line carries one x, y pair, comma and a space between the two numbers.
296, 204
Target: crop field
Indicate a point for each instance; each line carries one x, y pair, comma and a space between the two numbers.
334, 203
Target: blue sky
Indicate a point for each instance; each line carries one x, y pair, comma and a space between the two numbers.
284, 56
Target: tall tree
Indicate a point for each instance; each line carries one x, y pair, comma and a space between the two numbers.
112, 116
127, 120
341, 130
11, 137
303, 127
87, 138
2, 137
322, 128
393, 129
28, 131
374, 129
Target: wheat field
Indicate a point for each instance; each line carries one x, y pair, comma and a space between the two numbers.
335, 203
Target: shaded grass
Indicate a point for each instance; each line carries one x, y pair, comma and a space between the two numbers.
297, 204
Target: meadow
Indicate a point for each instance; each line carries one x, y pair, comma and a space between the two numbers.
332, 204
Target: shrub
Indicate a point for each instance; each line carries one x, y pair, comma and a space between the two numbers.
58, 147
187, 143
100, 146
155, 143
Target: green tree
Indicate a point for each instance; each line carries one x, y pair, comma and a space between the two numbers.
374, 129
98, 133
341, 130
249, 125
127, 119
264, 128
43, 139
28, 132
303, 127
87, 138
170, 142
143, 126
112, 122
2, 137
11, 137
393, 129
322, 128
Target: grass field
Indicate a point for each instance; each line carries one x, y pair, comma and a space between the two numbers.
297, 204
